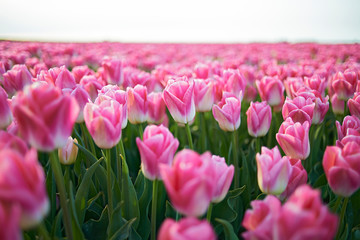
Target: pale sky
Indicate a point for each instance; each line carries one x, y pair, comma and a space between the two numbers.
181, 21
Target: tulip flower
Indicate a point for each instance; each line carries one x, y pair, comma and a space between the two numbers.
10, 141
5, 112
342, 169
271, 89
349, 126
235, 82
299, 109
16, 79
68, 154
82, 97
190, 182
354, 105
179, 99
156, 108
44, 116
294, 138
204, 95
137, 104
23, 183
91, 85
9, 221
337, 105
227, 112
113, 71
80, 71
65, 79
344, 84
273, 171
317, 83
292, 85
321, 104
258, 119
157, 147
187, 228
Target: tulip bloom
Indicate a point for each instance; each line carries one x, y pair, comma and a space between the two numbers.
223, 177
190, 182
137, 104
179, 99
271, 89
187, 228
113, 71
235, 82
23, 182
65, 79
10, 141
316, 83
204, 95
342, 169
292, 85
5, 112
349, 126
299, 109
157, 147
156, 108
82, 97
258, 119
321, 104
44, 116
68, 154
294, 139
344, 84
273, 171
304, 216
104, 120
297, 178
91, 85
354, 105
227, 112
16, 79
9, 221
337, 105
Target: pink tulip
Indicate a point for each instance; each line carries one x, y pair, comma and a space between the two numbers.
104, 120
292, 85
5, 112
271, 89
157, 147
202, 70
204, 95
80, 71
303, 216
23, 182
354, 105
316, 83
297, 178
259, 220
137, 104
91, 85
187, 228
344, 84
321, 104
179, 99
82, 97
9, 221
273, 171
113, 71
258, 119
337, 105
44, 116
65, 79
234, 81
10, 141
299, 109
67, 154
156, 108
349, 126
190, 182
227, 112
16, 79
223, 177
342, 168
294, 139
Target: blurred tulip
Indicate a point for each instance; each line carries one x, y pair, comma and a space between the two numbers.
316, 83
113, 71
80, 71
337, 105
235, 82
65, 79
271, 89
9, 221
68, 154
354, 105
203, 95
82, 97
344, 84
156, 108
258, 119
137, 104
292, 85
350, 125
5, 112
91, 85
227, 112
10, 141
16, 79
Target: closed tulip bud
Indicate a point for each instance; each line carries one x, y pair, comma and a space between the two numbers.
5, 112
9, 221
294, 139
271, 89
187, 228
44, 116
16, 79
156, 108
137, 104
190, 182
298, 109
227, 112
204, 95
258, 119
354, 105
68, 154
337, 105
342, 168
157, 147
179, 98
316, 83
113, 71
344, 84
273, 171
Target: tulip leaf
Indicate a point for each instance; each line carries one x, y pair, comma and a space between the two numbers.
124, 231
83, 190
97, 229
139, 184
117, 221
228, 229
321, 181
144, 228
77, 233
170, 211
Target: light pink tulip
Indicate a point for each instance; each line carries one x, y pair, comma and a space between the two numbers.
10, 141
179, 99
80, 71
157, 147
299, 109
16, 79
235, 82
65, 79
344, 84
68, 154
204, 95
316, 82
304, 216
104, 119
294, 139
113, 71
292, 85
258, 119
337, 105
5, 112
23, 182
227, 112
156, 108
271, 89
190, 182
259, 221
297, 178
273, 171
350, 125
44, 116
187, 228
321, 104
223, 177
342, 168
9, 221
92, 85
202, 70
82, 97
354, 105
137, 104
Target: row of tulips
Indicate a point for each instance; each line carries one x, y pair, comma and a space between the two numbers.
177, 147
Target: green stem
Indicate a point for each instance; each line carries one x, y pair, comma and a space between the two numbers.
188, 133
343, 210
203, 132
337, 203
43, 231
235, 160
109, 183
209, 212
140, 131
177, 218
153, 209
59, 179
258, 145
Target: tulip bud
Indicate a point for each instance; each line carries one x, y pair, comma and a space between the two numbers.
68, 154
271, 89
16, 79
5, 112
204, 95
258, 119
137, 104
354, 105
227, 112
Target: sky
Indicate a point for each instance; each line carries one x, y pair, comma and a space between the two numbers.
329, 21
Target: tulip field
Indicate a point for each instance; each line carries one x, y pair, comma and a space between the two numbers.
179, 141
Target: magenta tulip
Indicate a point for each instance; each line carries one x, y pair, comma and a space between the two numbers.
5, 112
354, 105
9, 221
10, 141
227, 112
271, 89
344, 84
350, 125
137, 104
235, 82
156, 108
204, 95
299, 109
16, 79
113, 71
258, 119
317, 83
